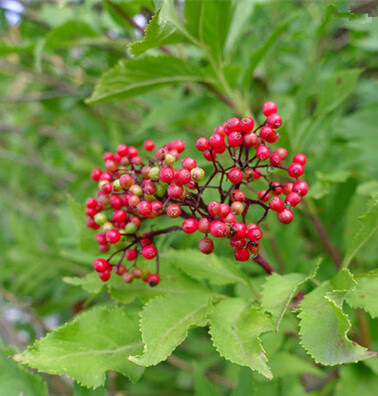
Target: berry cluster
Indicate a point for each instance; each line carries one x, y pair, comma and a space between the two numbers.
134, 191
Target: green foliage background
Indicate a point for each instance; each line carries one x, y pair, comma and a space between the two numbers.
77, 79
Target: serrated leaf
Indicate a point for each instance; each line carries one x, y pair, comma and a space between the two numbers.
86, 348
208, 22
165, 322
279, 290
235, 329
368, 226
217, 270
164, 28
365, 295
16, 380
324, 326
86, 236
138, 76
335, 89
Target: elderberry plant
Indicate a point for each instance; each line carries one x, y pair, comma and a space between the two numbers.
131, 191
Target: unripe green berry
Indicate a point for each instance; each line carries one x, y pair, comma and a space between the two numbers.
197, 174
101, 183
100, 218
160, 190
117, 185
107, 226
149, 198
130, 228
136, 190
169, 159
154, 173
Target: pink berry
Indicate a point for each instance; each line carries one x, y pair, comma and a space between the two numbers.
122, 150
178, 145
287, 188
105, 275
218, 229
175, 191
173, 211
166, 175
240, 230
281, 152
202, 144
126, 181
254, 234
275, 159
100, 265
149, 145
216, 141
209, 155
133, 152
214, 208
119, 215
232, 125
237, 243
250, 139
300, 187
113, 236
131, 254
204, 225
269, 108
144, 208
183, 176
235, 176
189, 226
293, 199
235, 139
263, 196
153, 279
247, 124
108, 156
285, 216
295, 170
224, 210
266, 133
274, 120
189, 163
96, 174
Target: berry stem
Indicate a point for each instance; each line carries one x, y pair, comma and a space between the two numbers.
264, 264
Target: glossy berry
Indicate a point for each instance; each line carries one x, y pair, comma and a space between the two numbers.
241, 255
202, 144
96, 174
276, 188
144, 208
269, 108
173, 211
281, 152
232, 125
274, 120
237, 243
276, 204
263, 196
275, 159
300, 159
166, 175
295, 170
209, 155
247, 124
100, 265
105, 275
250, 139
189, 226
300, 187
183, 176
235, 139
262, 152
293, 199
189, 163
254, 247
218, 229
206, 245
113, 236
149, 252
239, 230
287, 188
204, 225
122, 150
131, 254
153, 279
214, 208
285, 216
149, 145
235, 176
216, 141
254, 234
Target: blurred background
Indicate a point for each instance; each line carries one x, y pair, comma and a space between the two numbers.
315, 59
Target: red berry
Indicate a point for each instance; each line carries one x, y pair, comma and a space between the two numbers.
189, 226
254, 234
153, 279
237, 196
96, 174
178, 145
237, 243
131, 254
202, 144
105, 275
101, 238
285, 216
239, 230
144, 208
183, 176
224, 210
235, 139
276, 204
122, 150
300, 187
166, 175
216, 141
104, 248
281, 152
230, 218
175, 191
214, 208
173, 211
204, 225
254, 247
235, 176
119, 216
126, 181
189, 163
107, 188
274, 120
267, 133
242, 254
300, 159
113, 236
108, 156
232, 125
90, 212
100, 265
276, 188
287, 188
275, 159
157, 208
106, 176
209, 155
145, 241
295, 170
262, 152
247, 124
133, 152
293, 199
218, 229
250, 139
89, 222
263, 196
269, 108
256, 175
149, 145
206, 245
116, 202
91, 203
149, 252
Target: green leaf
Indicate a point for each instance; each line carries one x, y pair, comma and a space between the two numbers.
135, 77
365, 295
209, 21
162, 30
368, 226
335, 89
324, 326
279, 290
165, 322
235, 329
202, 386
217, 270
68, 34
258, 55
86, 237
86, 348
16, 380
90, 283
83, 391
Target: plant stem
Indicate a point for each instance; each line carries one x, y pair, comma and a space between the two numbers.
264, 264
